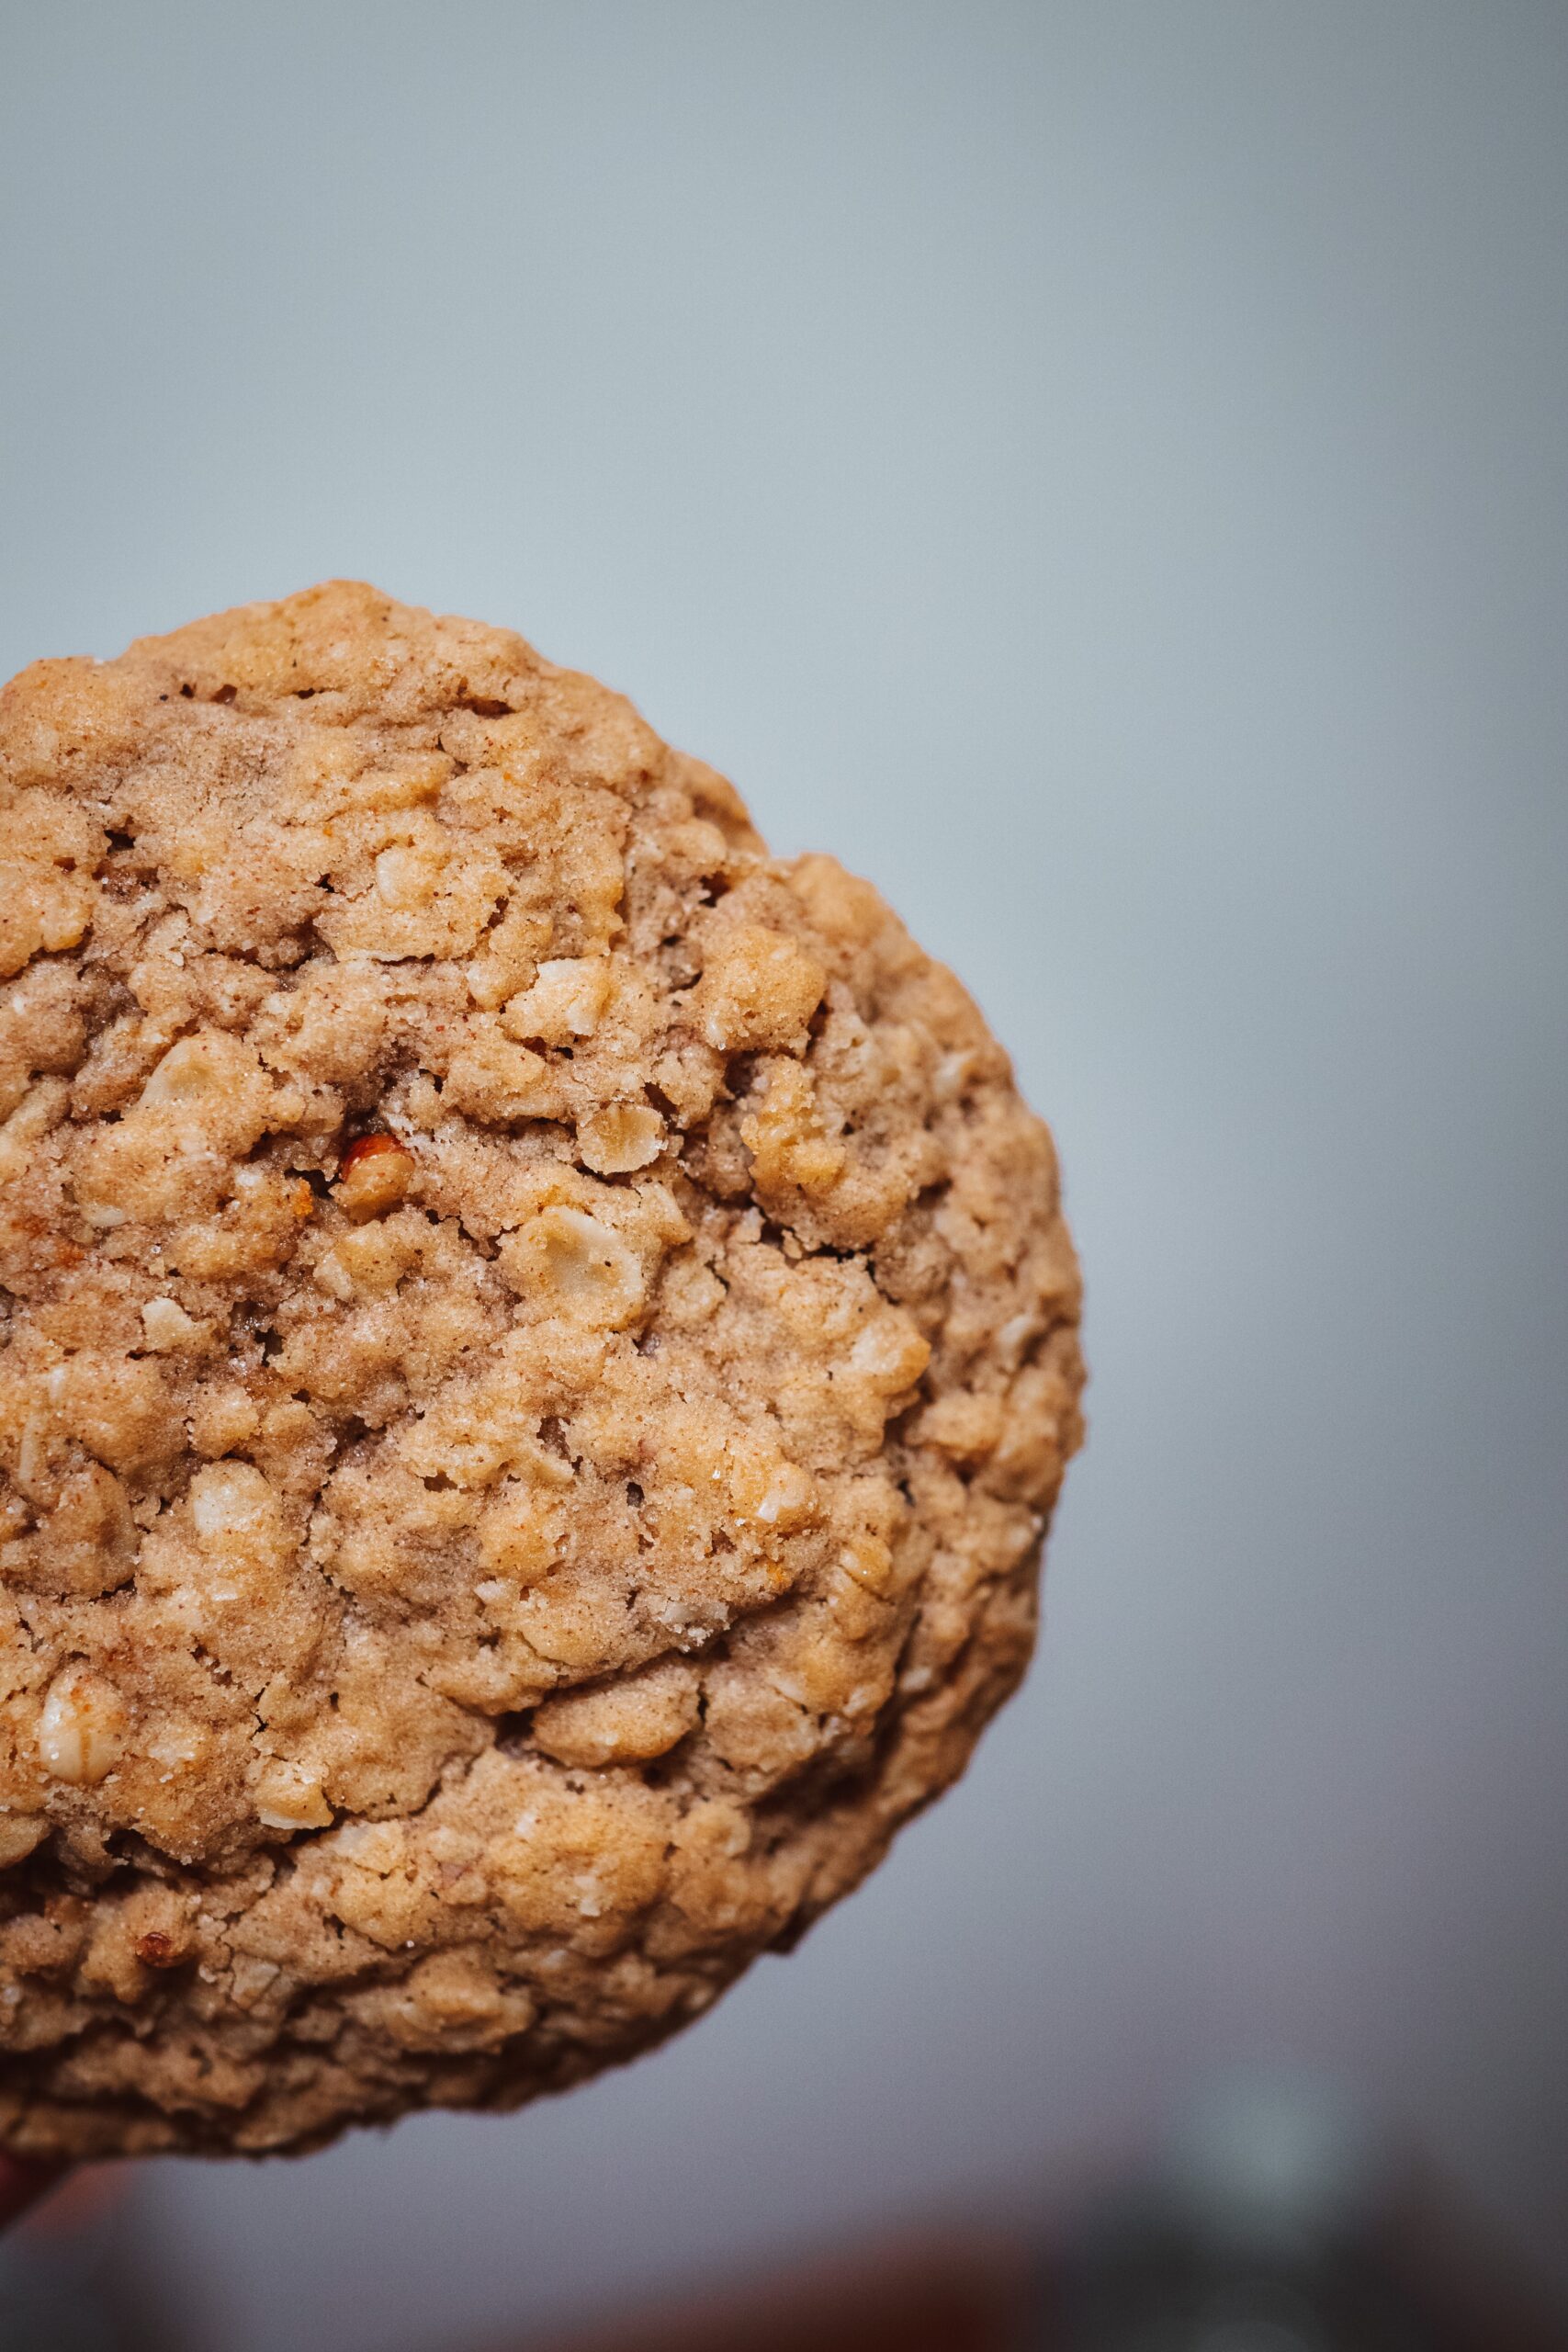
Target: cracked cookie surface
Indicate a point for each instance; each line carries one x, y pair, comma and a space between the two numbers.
538, 1346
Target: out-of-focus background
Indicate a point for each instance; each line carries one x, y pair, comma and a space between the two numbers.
1103, 469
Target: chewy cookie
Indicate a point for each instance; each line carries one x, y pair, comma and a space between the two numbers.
538, 1348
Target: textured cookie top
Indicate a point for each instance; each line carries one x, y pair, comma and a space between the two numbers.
533, 1336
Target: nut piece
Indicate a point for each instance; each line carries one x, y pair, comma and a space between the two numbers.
82, 1731
575, 1265
620, 1138
565, 1002
288, 1797
168, 1328
869, 1560
374, 1177
230, 1504
193, 1071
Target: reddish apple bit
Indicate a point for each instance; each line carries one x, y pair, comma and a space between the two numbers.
374, 1177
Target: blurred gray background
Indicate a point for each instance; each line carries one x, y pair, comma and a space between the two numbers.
1101, 468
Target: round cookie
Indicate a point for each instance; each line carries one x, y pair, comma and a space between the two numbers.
538, 1348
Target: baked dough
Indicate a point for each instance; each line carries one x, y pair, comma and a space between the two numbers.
538, 1348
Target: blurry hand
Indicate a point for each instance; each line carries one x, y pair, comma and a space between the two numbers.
22, 2183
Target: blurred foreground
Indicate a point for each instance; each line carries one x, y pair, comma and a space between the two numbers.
1267, 2216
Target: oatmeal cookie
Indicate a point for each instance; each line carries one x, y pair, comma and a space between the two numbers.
538, 1348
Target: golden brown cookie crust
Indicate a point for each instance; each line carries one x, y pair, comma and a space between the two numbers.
538, 1349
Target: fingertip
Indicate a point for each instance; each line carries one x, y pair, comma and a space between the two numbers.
23, 2180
